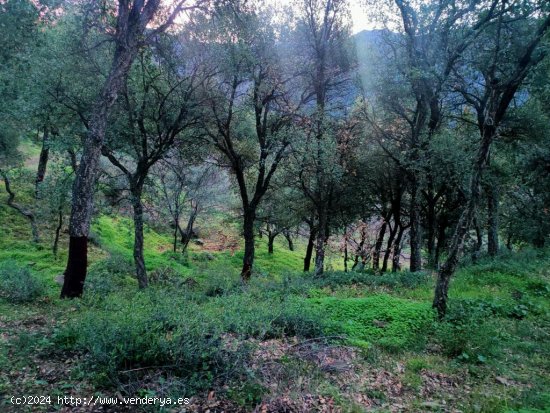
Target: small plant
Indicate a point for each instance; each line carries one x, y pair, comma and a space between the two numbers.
18, 284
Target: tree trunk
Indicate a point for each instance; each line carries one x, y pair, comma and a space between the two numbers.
42, 160
479, 241
57, 231
139, 260
309, 248
379, 243
441, 239
176, 229
270, 238
345, 250
415, 234
248, 230
186, 236
463, 225
288, 237
431, 224
128, 31
492, 222
396, 266
393, 232
321, 242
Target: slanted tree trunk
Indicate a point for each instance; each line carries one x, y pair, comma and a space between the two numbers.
139, 260
396, 266
248, 233
310, 245
463, 225
43, 159
492, 221
379, 243
186, 236
27, 213
389, 245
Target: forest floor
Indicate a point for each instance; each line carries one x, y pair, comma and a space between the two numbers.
347, 342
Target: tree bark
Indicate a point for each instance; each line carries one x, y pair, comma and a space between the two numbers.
415, 234
139, 260
393, 232
378, 244
309, 248
288, 237
492, 222
321, 242
396, 266
186, 236
248, 232
42, 160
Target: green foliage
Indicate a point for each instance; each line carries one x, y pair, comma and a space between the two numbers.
18, 284
390, 322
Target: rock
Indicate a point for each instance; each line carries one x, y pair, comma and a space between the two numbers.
60, 279
502, 380
199, 242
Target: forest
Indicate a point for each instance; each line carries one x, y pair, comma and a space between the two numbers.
275, 206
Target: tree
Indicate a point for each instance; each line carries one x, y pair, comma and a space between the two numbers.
130, 34
501, 72
248, 112
156, 109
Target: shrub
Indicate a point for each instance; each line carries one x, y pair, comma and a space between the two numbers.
465, 333
18, 284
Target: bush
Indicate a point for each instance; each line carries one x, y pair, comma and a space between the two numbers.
152, 328
18, 284
109, 276
466, 334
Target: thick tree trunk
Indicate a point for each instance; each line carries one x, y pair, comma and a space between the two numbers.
492, 222
309, 248
379, 243
248, 232
42, 160
25, 212
320, 242
415, 234
139, 260
463, 225
396, 266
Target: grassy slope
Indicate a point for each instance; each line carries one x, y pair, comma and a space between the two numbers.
497, 351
